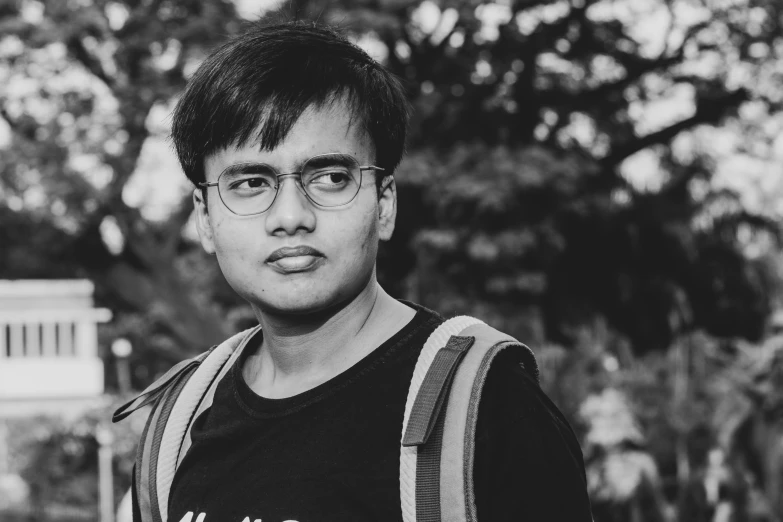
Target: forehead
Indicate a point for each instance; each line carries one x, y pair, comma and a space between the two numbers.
320, 130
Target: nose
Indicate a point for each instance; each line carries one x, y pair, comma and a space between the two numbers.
291, 212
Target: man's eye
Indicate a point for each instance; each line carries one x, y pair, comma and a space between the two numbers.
250, 183
330, 178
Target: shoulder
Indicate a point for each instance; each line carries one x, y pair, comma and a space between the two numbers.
516, 416
525, 444
511, 396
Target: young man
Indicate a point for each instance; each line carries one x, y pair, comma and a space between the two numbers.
292, 135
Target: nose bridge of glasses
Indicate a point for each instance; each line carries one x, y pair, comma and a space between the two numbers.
279, 178
297, 183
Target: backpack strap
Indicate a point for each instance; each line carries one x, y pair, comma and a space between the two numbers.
209, 394
155, 390
149, 448
457, 495
413, 509
443, 438
175, 398
195, 397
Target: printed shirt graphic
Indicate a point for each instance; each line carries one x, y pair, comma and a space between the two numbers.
201, 517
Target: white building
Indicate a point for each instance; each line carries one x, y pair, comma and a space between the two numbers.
49, 360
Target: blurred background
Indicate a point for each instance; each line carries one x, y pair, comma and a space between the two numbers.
603, 179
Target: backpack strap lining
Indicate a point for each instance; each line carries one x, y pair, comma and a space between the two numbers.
434, 390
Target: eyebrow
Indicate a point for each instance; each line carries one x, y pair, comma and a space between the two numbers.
246, 168
322, 159
255, 167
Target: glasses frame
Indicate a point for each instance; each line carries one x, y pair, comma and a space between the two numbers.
205, 185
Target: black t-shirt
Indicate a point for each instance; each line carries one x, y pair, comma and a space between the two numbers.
332, 452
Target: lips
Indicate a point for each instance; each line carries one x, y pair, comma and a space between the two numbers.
288, 260
299, 251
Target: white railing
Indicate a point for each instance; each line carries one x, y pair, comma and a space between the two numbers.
49, 342
50, 333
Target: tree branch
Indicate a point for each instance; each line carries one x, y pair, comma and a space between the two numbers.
77, 49
13, 123
586, 99
707, 111
520, 5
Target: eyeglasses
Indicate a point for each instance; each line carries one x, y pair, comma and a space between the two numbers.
327, 180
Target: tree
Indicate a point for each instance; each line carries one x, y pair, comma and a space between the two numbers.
80, 85
529, 118
519, 199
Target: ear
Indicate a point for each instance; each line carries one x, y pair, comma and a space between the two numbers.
203, 221
387, 208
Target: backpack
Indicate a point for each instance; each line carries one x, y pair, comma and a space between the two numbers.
438, 432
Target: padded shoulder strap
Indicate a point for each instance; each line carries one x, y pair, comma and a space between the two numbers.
149, 448
175, 402
177, 430
409, 453
441, 487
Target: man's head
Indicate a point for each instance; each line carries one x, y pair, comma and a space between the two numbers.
262, 106
255, 87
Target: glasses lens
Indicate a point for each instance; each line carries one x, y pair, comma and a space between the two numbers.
331, 180
248, 192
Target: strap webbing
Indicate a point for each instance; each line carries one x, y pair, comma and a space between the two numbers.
434, 389
428, 475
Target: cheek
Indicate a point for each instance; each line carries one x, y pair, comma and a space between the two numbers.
368, 233
355, 238
232, 242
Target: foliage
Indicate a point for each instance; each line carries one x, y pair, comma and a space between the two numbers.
566, 181
653, 428
59, 458
535, 115
81, 82
518, 200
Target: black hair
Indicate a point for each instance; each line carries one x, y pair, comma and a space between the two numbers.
257, 85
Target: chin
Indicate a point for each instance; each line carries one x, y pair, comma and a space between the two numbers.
294, 302
296, 306
305, 295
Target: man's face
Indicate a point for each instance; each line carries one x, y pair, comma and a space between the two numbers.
345, 238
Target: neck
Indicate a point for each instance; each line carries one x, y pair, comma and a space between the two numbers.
300, 352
